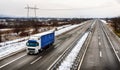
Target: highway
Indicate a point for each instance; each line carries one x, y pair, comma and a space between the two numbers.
22, 61
102, 52
100, 55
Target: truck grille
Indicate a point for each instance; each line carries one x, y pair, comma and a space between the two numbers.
31, 49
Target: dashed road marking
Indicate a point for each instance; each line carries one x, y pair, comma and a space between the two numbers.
36, 60
99, 37
99, 43
100, 53
57, 45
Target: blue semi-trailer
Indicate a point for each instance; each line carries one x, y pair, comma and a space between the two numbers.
40, 42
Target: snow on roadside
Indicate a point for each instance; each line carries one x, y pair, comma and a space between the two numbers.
61, 27
67, 29
104, 21
5, 51
69, 60
13, 41
19, 44
5, 29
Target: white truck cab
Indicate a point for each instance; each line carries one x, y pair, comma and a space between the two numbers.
33, 45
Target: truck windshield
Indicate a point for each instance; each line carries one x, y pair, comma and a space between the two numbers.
32, 44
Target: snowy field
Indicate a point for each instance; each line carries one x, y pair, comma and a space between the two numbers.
17, 45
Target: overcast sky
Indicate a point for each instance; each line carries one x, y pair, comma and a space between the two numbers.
62, 8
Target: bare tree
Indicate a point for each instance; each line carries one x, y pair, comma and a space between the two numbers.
17, 30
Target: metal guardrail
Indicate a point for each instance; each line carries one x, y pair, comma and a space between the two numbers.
81, 53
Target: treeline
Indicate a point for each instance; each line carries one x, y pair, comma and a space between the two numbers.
115, 22
21, 23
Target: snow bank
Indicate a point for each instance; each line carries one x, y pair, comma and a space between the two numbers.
66, 29
69, 60
61, 27
5, 29
104, 21
13, 41
19, 44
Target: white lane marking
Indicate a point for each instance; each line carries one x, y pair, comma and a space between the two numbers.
57, 45
100, 53
12, 61
99, 43
36, 60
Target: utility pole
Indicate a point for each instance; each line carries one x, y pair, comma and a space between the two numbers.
28, 8
35, 8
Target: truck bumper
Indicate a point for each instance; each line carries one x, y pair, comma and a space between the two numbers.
32, 52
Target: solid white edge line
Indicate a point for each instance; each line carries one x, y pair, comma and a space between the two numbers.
112, 46
36, 60
12, 61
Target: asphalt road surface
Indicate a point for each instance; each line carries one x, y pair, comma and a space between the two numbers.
100, 55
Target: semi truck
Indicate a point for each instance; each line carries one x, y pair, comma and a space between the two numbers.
40, 42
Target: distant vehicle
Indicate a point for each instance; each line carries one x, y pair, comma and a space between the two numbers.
40, 42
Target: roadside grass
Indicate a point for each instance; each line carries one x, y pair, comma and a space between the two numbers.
113, 29
117, 33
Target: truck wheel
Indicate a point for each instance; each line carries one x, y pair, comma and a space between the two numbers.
28, 53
